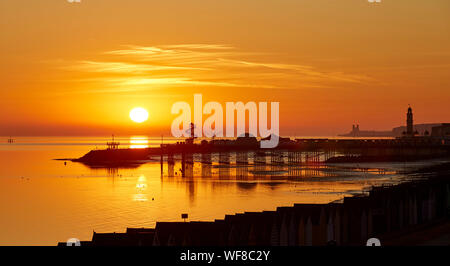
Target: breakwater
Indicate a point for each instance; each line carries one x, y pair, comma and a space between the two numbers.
383, 211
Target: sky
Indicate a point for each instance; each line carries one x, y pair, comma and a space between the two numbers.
79, 68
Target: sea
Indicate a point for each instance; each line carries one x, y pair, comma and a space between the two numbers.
44, 201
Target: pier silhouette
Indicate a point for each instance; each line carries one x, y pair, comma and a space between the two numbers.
246, 150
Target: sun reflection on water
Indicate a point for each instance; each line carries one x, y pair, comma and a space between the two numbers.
141, 187
138, 142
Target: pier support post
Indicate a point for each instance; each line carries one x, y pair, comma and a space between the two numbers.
206, 158
206, 170
242, 157
276, 157
224, 158
170, 159
290, 157
189, 158
162, 164
260, 158
183, 164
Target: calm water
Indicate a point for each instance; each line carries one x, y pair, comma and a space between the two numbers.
43, 201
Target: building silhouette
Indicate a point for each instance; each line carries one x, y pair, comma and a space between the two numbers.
407, 130
442, 131
356, 132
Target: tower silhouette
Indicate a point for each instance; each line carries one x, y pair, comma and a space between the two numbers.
409, 122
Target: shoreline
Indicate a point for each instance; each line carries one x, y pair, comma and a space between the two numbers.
382, 159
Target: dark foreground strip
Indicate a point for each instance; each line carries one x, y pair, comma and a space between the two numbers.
214, 256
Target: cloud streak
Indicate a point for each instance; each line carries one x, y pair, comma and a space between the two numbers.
136, 68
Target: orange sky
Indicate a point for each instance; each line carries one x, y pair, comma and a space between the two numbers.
78, 69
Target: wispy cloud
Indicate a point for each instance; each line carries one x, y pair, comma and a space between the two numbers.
200, 46
136, 68
122, 67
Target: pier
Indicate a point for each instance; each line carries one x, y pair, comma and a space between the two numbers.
246, 150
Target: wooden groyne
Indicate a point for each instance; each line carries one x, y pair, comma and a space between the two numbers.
385, 210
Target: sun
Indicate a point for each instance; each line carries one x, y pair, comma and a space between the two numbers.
139, 115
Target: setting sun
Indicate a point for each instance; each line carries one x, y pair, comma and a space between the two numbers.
139, 114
